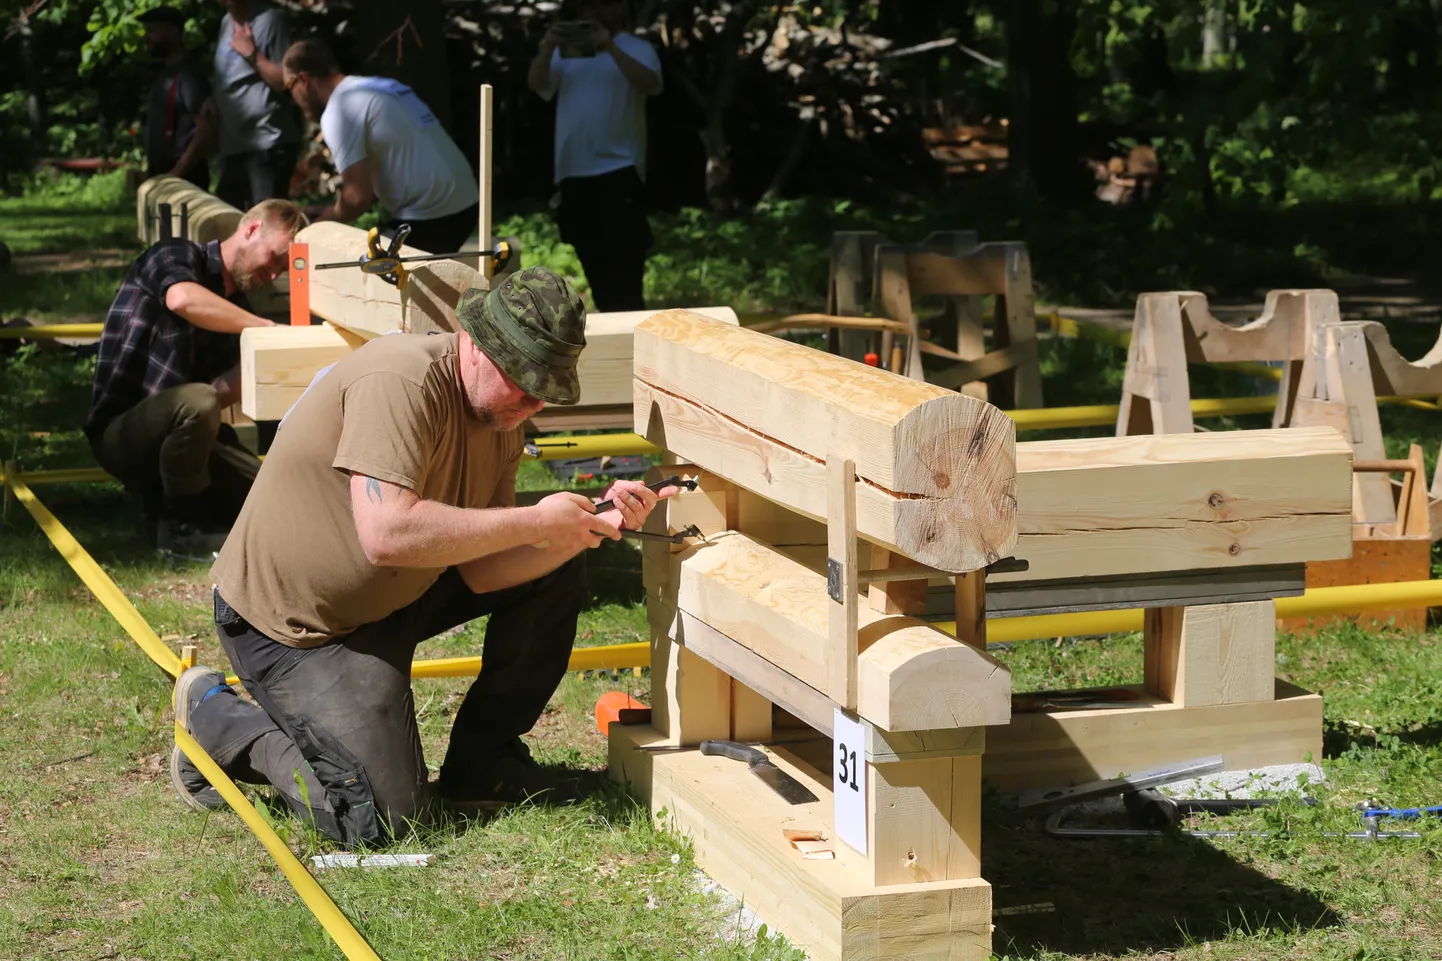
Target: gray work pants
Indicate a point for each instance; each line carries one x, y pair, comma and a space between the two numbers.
336, 730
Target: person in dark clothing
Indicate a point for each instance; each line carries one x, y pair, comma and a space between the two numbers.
168, 366
385, 515
258, 133
600, 81
179, 124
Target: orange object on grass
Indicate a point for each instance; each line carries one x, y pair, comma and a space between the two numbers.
618, 707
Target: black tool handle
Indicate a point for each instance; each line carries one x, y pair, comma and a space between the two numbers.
733, 750
656, 487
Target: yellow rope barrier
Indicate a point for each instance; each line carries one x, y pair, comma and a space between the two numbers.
51, 331
94, 577
335, 923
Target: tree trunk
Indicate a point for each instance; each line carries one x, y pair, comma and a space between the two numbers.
1041, 135
1215, 40
36, 112
407, 41
719, 195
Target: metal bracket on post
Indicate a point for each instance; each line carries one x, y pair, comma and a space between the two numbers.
833, 579
185, 221
162, 212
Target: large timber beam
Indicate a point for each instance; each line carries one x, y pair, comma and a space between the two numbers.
207, 216
935, 469
910, 677
277, 364
368, 304
1173, 502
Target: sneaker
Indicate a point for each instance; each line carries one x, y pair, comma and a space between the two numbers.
512, 777
192, 687
188, 540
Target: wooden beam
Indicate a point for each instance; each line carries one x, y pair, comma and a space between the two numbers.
289, 359
209, 218
833, 910
1130, 505
277, 364
1054, 748
605, 365
370, 306
934, 468
910, 676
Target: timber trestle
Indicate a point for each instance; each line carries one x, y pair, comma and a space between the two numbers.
1332, 374
846, 509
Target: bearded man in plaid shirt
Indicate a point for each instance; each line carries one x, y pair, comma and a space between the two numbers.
169, 364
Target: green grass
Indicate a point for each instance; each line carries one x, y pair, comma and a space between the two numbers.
99, 860
61, 214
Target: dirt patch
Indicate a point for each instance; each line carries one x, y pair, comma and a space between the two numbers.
73, 261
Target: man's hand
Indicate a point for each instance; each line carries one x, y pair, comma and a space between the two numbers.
569, 524
227, 386
242, 40
634, 502
552, 39
600, 37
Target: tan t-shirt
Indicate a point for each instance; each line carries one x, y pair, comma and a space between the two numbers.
394, 410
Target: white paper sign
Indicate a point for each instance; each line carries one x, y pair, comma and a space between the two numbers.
848, 779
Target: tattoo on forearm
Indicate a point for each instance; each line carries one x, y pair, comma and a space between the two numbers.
373, 490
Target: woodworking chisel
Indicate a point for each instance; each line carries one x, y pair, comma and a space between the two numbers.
791, 790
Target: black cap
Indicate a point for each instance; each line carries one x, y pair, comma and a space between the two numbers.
162, 15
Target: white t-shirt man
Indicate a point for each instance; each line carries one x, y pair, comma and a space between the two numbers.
600, 117
417, 170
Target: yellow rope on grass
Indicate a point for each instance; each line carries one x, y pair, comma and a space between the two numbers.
311, 893
336, 924
94, 577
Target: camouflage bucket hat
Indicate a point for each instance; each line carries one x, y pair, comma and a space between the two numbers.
533, 327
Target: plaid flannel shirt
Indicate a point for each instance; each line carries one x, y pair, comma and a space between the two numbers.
146, 347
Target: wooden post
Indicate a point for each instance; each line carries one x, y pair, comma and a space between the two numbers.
1156, 396
895, 597
841, 581
971, 609
1015, 323
925, 820
483, 162
1211, 654
692, 700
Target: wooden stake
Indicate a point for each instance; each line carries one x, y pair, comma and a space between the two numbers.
841, 649
483, 162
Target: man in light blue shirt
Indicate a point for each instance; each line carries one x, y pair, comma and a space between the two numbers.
259, 136
600, 76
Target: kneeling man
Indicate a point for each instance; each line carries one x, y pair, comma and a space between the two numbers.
384, 515
169, 364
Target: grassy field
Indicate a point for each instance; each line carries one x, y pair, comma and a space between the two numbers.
98, 859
